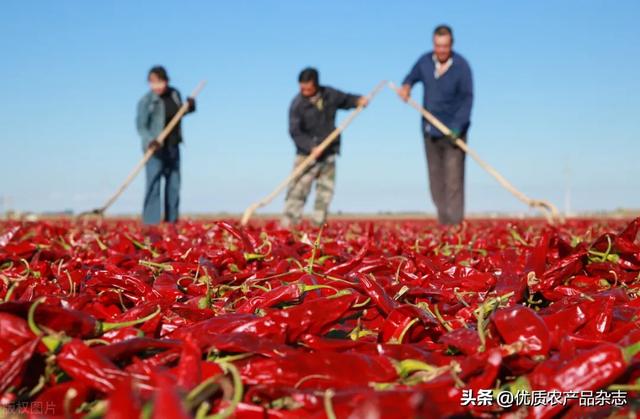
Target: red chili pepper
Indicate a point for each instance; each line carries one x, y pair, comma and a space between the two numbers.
522, 324
14, 364
88, 367
564, 322
347, 266
321, 370
290, 293
55, 400
601, 323
167, 404
14, 331
313, 339
536, 262
377, 293
124, 350
564, 268
123, 402
189, 373
248, 243
407, 323
465, 340
589, 371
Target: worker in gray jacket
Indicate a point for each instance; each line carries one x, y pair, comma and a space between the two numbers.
312, 117
155, 110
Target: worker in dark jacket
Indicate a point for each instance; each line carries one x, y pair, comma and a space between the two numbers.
312, 118
448, 95
155, 110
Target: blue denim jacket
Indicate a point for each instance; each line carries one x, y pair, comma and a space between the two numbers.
150, 119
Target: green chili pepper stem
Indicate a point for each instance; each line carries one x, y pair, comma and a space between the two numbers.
312, 259
408, 366
520, 384
340, 293
31, 317
51, 342
402, 291
201, 413
231, 358
101, 245
362, 304
36, 389
238, 391
311, 377
481, 332
441, 319
308, 288
625, 387
142, 246
150, 264
197, 390
97, 411
460, 297
631, 351
405, 331
27, 269
12, 288
253, 256
147, 411
106, 326
328, 406
604, 256
71, 394
91, 342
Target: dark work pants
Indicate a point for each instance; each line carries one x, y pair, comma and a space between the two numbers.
165, 163
445, 162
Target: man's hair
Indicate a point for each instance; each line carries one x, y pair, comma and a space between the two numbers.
160, 72
443, 30
309, 74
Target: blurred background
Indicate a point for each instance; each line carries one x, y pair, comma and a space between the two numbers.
556, 88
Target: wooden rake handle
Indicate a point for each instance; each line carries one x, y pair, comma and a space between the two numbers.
307, 162
550, 211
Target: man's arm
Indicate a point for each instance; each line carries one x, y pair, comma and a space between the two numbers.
414, 76
346, 100
304, 142
465, 91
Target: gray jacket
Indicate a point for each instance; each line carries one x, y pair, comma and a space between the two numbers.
150, 119
309, 125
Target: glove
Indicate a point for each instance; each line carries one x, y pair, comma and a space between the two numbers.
454, 134
154, 145
192, 104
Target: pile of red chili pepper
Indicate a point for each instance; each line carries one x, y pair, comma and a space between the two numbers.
358, 319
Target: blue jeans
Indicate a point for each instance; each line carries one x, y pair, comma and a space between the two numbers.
165, 163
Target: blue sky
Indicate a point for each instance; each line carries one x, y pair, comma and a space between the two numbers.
556, 92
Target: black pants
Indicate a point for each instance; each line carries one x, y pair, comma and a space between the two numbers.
445, 162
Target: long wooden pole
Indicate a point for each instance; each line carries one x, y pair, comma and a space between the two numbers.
304, 165
550, 210
147, 155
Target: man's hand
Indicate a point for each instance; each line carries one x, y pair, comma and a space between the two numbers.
454, 134
404, 92
154, 145
316, 153
192, 104
363, 101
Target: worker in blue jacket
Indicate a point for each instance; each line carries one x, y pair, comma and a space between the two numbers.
448, 95
155, 109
